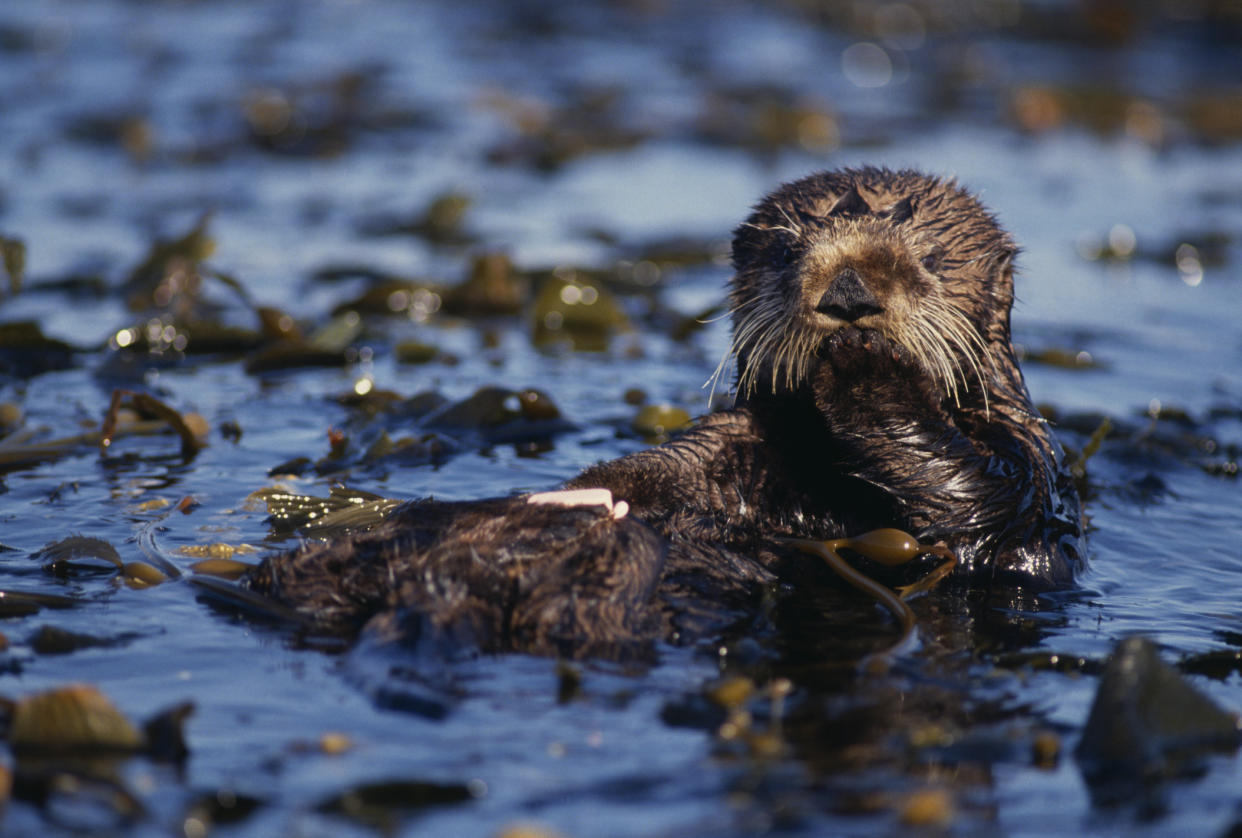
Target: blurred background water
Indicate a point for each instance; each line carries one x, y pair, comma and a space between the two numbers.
331, 150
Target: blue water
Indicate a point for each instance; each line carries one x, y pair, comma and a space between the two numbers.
444, 82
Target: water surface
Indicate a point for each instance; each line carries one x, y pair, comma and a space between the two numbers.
588, 137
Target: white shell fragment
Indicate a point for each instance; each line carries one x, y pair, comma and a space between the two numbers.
582, 497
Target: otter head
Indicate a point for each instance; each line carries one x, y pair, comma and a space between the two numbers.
915, 258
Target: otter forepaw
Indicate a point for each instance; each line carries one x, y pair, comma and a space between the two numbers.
865, 379
862, 360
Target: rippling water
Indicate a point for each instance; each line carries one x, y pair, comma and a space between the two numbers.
583, 136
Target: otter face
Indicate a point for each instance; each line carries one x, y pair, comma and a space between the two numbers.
911, 257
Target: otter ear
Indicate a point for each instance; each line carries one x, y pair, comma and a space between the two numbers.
747, 243
851, 203
901, 211
1004, 270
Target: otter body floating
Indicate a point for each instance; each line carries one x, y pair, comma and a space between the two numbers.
876, 387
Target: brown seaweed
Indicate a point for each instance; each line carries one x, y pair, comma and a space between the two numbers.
190, 428
386, 804
26, 352
13, 259
888, 547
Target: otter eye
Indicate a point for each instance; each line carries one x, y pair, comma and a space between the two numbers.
783, 252
931, 262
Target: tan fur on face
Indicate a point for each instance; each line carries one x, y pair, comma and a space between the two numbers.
778, 332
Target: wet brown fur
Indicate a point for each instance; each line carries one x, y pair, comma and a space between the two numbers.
910, 412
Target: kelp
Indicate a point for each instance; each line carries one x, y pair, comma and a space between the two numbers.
217, 550
71, 555
1077, 460
386, 429
79, 719
225, 807
53, 640
64, 558
547, 135
317, 118
1066, 359
384, 805
655, 422
24, 603
222, 568
395, 296
70, 744
169, 272
491, 288
416, 352
581, 313
1161, 431
20, 448
441, 221
327, 346
343, 511
490, 407
191, 429
293, 355
766, 118
227, 595
13, 260
25, 352
888, 547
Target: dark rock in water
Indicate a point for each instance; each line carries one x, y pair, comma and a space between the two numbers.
1148, 723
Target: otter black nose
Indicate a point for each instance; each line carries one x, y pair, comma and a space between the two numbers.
847, 298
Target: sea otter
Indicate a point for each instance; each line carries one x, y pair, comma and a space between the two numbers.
876, 387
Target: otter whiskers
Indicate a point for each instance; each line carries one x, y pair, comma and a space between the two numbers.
767, 338
770, 343
941, 337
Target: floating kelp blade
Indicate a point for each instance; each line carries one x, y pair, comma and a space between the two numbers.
53, 640
143, 575
384, 805
171, 266
22, 603
222, 568
191, 430
159, 557
18, 450
217, 559
238, 598
25, 352
13, 258
343, 511
889, 547
60, 555
63, 557
656, 421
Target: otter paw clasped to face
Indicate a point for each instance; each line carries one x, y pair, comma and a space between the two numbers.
877, 389
862, 367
